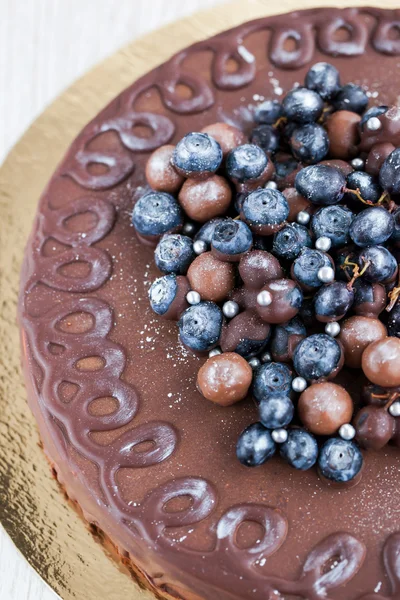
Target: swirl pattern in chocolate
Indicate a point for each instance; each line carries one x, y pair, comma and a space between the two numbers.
88, 338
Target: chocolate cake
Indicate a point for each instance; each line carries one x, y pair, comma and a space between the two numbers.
150, 462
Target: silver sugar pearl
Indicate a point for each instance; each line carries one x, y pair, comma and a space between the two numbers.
279, 436
214, 352
299, 384
266, 357
271, 185
394, 409
199, 247
347, 432
373, 124
326, 274
303, 217
189, 228
357, 164
264, 298
230, 309
332, 329
254, 362
193, 297
323, 243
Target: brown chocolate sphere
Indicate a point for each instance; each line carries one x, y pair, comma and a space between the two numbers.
245, 334
284, 298
228, 136
324, 407
341, 165
374, 427
381, 362
356, 334
160, 173
377, 156
225, 378
389, 131
343, 132
212, 278
258, 267
297, 203
204, 200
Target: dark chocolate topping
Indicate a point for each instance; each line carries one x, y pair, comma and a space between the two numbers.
159, 474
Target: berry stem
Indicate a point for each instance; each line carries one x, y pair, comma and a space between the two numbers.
357, 194
356, 270
393, 295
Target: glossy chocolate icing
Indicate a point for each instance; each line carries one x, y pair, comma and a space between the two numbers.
146, 457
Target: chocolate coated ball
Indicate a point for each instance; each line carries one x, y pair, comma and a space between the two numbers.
245, 334
356, 334
381, 362
225, 378
204, 200
258, 267
374, 427
297, 203
286, 299
212, 278
377, 156
228, 136
160, 173
324, 407
343, 132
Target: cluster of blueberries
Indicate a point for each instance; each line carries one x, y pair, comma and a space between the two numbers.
335, 250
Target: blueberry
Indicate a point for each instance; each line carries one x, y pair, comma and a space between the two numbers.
276, 411
340, 460
332, 222
156, 213
255, 446
283, 337
265, 210
206, 232
162, 293
307, 312
246, 162
351, 97
267, 137
396, 231
367, 185
373, 225
290, 240
300, 450
309, 143
268, 112
324, 79
271, 379
332, 301
302, 105
394, 321
374, 111
389, 175
317, 356
383, 264
174, 253
197, 154
321, 184
306, 266
231, 238
200, 326
283, 168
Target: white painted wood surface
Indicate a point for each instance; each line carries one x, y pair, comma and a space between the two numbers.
44, 46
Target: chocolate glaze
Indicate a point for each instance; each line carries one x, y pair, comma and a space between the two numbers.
245, 533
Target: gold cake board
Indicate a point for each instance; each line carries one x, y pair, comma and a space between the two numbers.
33, 511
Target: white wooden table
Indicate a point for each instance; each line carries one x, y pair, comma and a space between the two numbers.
44, 46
